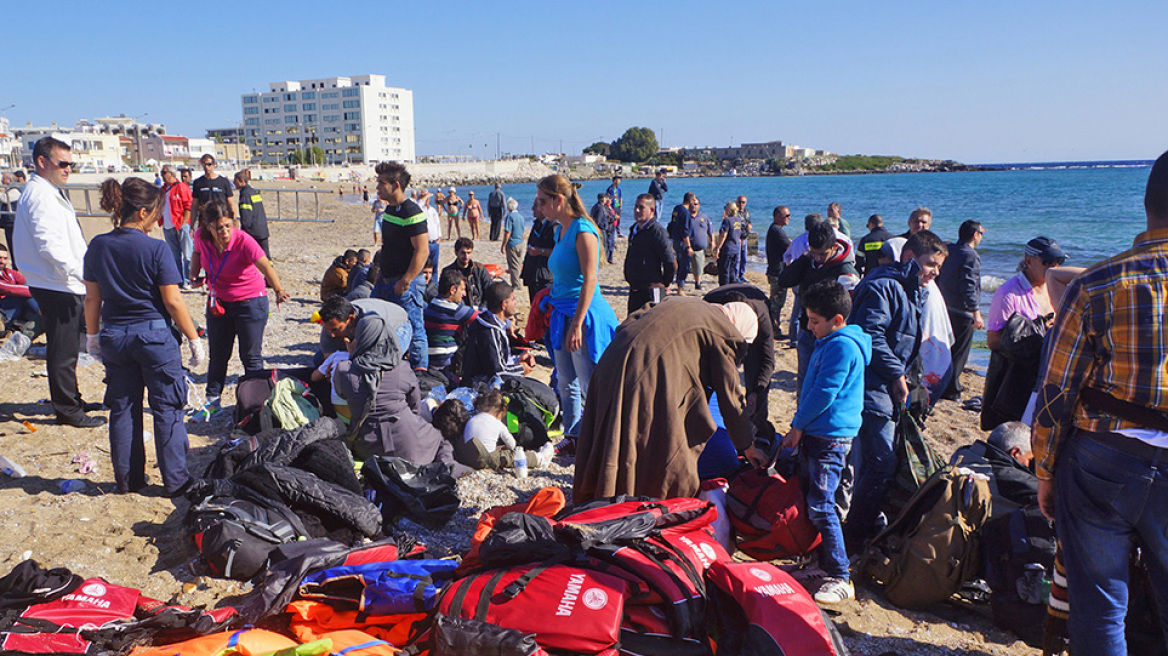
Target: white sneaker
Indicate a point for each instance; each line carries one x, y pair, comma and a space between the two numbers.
835, 591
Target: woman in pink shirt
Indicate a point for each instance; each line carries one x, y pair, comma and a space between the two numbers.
237, 302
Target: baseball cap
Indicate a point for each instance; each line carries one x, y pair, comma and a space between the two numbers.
1045, 248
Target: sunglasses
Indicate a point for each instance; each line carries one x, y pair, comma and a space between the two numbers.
61, 165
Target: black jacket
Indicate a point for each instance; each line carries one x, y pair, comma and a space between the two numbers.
960, 278
1011, 484
487, 350
777, 243
868, 249
759, 364
477, 281
650, 258
803, 273
252, 218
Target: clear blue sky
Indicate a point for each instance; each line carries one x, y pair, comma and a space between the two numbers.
978, 82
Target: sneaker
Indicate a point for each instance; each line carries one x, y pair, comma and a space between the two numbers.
566, 446
835, 591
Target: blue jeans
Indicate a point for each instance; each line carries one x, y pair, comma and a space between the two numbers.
574, 369
181, 246
874, 463
742, 261
414, 303
145, 357
796, 310
821, 459
434, 250
243, 319
19, 308
1103, 498
682, 262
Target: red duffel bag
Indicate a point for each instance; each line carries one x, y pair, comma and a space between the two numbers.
567, 608
769, 513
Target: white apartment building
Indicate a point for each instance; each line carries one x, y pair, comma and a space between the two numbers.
356, 119
94, 151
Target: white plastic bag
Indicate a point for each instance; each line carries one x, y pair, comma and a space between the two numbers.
714, 491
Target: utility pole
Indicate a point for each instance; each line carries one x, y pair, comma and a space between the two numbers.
496, 146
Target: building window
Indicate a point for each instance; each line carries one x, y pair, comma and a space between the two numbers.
289, 96
308, 107
289, 108
351, 104
327, 106
331, 119
269, 99
310, 118
329, 94
351, 92
251, 110
290, 119
352, 116
247, 100
352, 127
251, 121
352, 138
309, 95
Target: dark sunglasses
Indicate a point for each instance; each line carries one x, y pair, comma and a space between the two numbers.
60, 165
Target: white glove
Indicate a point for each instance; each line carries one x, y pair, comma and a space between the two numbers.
198, 353
93, 346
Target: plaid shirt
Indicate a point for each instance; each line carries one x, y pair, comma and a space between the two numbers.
1111, 335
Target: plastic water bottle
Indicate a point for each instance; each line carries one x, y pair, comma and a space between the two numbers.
10, 468
520, 463
71, 485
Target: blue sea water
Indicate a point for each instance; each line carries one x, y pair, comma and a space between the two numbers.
1093, 211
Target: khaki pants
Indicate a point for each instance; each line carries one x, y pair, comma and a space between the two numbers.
515, 263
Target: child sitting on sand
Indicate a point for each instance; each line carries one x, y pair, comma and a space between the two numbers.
483, 441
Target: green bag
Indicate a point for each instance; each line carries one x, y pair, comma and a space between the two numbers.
915, 463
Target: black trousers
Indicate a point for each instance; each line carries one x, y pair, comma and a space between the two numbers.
962, 323
496, 214
639, 297
63, 318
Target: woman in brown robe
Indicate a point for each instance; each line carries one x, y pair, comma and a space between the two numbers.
646, 421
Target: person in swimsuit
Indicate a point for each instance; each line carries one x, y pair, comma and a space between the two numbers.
472, 212
453, 207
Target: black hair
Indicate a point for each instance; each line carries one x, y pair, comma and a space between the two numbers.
394, 172
1156, 193
812, 219
19, 174
820, 235
687, 197
364, 254
45, 146
496, 294
967, 230
450, 419
463, 243
336, 308
876, 221
828, 298
350, 253
925, 242
209, 213
448, 281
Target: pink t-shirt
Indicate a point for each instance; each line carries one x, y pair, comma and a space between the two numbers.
1015, 295
238, 279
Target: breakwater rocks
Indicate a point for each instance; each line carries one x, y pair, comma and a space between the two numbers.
482, 174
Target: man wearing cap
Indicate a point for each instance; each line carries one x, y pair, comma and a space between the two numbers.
1100, 435
642, 431
960, 285
1010, 378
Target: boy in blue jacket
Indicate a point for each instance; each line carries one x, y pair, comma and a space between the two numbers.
827, 420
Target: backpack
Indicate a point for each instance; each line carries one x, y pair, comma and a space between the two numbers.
381, 588
458, 636
424, 493
769, 513
762, 610
1018, 562
61, 625
531, 396
928, 551
915, 463
272, 399
235, 535
567, 608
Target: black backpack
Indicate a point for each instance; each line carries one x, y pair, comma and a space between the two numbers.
1018, 556
235, 535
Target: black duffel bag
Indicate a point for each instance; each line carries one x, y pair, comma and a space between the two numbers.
424, 493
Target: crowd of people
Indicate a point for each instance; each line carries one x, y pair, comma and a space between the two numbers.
882, 325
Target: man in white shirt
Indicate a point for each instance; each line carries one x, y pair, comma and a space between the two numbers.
52, 247
433, 223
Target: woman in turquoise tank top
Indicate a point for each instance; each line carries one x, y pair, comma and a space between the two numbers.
582, 322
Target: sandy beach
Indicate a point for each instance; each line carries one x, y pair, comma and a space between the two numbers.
137, 540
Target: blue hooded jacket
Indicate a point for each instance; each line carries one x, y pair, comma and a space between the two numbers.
833, 389
888, 305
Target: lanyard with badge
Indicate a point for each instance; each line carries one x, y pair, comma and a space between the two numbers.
214, 307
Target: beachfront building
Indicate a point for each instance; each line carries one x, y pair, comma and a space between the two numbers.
232, 155
355, 120
94, 150
9, 146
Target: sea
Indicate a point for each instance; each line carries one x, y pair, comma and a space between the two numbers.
1092, 209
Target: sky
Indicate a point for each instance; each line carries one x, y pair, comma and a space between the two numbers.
978, 82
